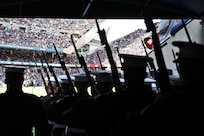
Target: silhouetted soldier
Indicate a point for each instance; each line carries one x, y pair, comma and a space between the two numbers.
100, 114
21, 113
110, 107
104, 81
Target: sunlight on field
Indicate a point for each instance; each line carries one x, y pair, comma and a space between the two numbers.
38, 91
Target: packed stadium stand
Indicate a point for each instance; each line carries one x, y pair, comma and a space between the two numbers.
21, 38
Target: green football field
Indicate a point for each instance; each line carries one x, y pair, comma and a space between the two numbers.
39, 91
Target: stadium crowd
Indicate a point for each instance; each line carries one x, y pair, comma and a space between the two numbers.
43, 32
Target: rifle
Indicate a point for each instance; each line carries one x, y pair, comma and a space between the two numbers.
99, 60
41, 74
115, 75
59, 88
151, 64
177, 65
117, 49
83, 64
151, 67
48, 77
65, 69
163, 78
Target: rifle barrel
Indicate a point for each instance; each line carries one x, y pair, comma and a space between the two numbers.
164, 82
41, 74
65, 69
99, 59
114, 69
83, 64
53, 73
48, 77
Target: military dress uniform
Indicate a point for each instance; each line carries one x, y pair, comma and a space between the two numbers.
21, 113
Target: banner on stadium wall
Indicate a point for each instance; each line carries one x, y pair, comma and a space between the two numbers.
92, 66
34, 64
27, 63
29, 48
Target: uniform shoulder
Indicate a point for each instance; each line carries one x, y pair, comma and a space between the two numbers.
32, 96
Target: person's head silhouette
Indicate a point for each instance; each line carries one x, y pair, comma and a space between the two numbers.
14, 76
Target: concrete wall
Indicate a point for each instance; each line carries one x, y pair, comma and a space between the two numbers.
195, 30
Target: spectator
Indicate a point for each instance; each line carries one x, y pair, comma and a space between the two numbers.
21, 113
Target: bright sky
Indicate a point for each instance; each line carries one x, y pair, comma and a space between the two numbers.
115, 28
120, 27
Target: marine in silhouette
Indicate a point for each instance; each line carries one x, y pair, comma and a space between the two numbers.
100, 114
21, 114
129, 102
104, 81
180, 112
